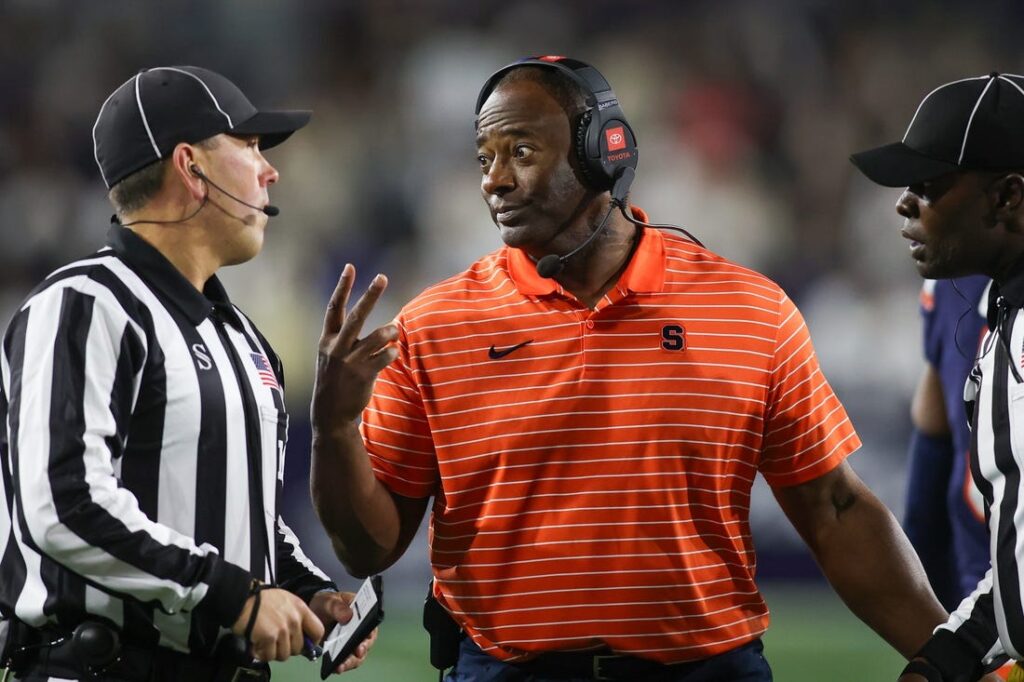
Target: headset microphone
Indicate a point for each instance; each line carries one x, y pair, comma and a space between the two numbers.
269, 209
551, 265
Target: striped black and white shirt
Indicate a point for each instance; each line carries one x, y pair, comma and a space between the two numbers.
990, 621
143, 435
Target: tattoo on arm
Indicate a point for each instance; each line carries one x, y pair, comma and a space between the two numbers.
842, 501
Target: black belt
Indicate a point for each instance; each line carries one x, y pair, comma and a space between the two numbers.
602, 664
52, 656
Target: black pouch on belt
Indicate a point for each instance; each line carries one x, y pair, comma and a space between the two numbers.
444, 632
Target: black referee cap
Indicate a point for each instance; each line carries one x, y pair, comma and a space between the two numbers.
969, 124
157, 108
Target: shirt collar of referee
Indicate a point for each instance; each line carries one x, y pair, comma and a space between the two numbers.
1010, 290
149, 264
645, 272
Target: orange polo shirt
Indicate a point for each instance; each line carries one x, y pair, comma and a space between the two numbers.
592, 468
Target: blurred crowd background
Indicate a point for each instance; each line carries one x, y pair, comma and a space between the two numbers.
745, 113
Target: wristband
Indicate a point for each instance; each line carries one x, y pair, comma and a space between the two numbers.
952, 656
923, 668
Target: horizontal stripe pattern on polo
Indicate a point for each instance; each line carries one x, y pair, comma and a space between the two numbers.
143, 455
592, 468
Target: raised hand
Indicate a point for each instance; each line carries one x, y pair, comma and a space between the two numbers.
347, 365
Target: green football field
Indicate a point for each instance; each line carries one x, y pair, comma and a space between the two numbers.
812, 637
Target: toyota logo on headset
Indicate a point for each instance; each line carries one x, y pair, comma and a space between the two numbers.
616, 138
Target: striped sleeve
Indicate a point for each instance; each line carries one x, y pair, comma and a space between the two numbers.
74, 359
973, 626
295, 572
396, 432
807, 432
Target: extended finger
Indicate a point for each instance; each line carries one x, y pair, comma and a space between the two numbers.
373, 343
353, 322
335, 313
382, 358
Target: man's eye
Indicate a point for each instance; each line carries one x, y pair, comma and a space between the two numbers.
482, 160
522, 151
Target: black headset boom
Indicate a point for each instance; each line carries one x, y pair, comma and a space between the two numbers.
604, 142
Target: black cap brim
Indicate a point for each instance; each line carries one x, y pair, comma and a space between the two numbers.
897, 165
273, 127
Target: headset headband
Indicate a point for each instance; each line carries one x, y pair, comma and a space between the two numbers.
594, 85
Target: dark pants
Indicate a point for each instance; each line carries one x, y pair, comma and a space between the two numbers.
743, 664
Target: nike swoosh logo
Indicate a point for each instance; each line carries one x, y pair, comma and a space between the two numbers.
495, 354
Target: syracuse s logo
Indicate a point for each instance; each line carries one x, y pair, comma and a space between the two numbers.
673, 337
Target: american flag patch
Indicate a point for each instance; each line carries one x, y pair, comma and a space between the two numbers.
264, 370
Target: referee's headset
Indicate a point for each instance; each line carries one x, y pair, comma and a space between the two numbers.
269, 209
603, 141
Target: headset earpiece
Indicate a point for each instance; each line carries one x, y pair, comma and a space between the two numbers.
194, 169
580, 148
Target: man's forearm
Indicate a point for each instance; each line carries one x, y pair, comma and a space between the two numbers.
874, 569
357, 511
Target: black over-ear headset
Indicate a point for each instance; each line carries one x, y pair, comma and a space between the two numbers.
604, 142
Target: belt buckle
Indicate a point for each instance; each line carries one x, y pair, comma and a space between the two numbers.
597, 660
248, 675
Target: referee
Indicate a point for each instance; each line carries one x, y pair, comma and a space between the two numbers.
144, 427
962, 163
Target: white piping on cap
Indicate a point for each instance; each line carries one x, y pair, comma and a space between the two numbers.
967, 130
95, 145
201, 82
1003, 77
962, 80
142, 113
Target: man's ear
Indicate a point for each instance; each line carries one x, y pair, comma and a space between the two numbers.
1008, 198
184, 164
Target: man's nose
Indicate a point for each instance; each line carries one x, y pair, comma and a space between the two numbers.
907, 204
498, 179
268, 173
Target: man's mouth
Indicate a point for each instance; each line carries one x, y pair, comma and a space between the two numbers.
507, 214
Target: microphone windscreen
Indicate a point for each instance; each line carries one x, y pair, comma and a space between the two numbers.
549, 266
271, 210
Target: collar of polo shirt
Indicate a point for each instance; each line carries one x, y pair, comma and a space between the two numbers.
645, 272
